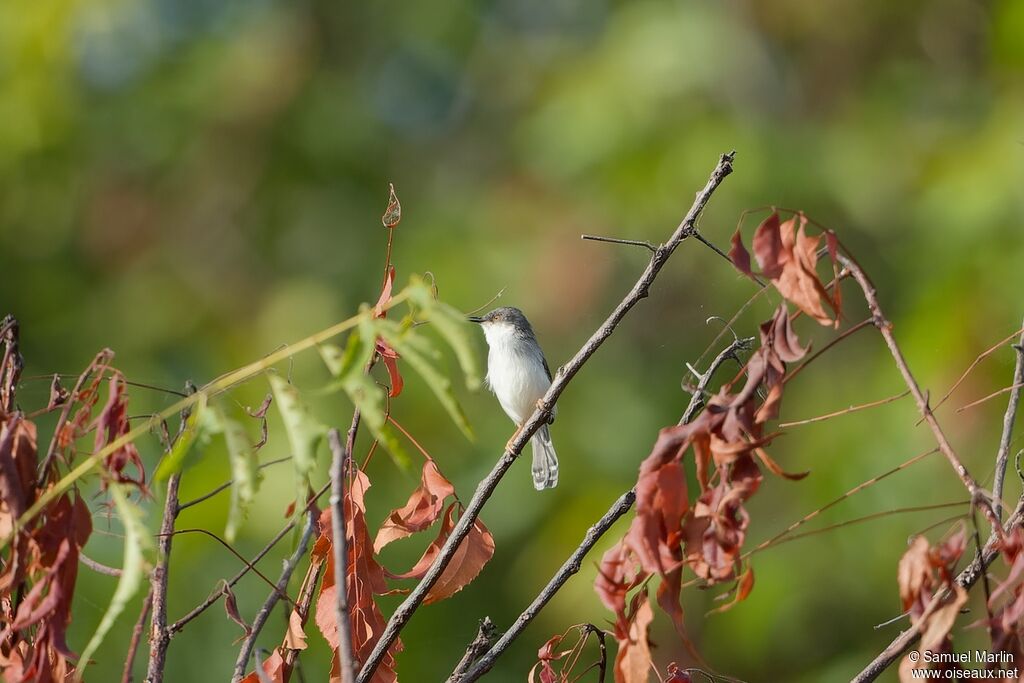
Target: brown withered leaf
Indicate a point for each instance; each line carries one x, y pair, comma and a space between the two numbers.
392, 214
743, 588
364, 578
18, 461
633, 660
788, 257
617, 574
422, 509
924, 572
655, 535
543, 671
58, 394
390, 358
385, 294
111, 424
274, 670
231, 608
295, 638
469, 559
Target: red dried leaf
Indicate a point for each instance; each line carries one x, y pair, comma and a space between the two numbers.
58, 394
739, 255
743, 588
469, 559
111, 424
364, 579
633, 661
788, 257
385, 294
231, 608
274, 669
390, 358
661, 504
421, 511
392, 214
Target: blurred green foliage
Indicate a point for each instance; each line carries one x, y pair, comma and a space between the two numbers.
195, 183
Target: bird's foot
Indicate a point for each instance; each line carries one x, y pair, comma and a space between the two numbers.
545, 410
508, 444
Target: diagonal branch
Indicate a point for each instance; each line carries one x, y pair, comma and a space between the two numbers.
885, 329
280, 589
540, 416
1008, 419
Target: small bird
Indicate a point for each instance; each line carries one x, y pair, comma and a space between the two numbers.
519, 376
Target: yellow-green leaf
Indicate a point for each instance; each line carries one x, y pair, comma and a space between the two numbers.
245, 469
133, 568
304, 431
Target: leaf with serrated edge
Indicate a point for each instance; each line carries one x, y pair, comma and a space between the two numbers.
133, 569
304, 431
245, 471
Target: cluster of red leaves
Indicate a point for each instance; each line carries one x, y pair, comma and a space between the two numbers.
789, 258
38, 573
1007, 601
926, 572
669, 532
728, 439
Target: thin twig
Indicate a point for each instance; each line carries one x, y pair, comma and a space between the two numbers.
226, 485
846, 333
178, 625
616, 240
885, 329
98, 567
1003, 454
980, 357
845, 411
540, 417
133, 644
338, 542
280, 589
697, 399
1012, 389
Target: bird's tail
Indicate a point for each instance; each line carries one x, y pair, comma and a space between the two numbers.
545, 461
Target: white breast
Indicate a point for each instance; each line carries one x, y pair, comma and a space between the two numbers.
515, 373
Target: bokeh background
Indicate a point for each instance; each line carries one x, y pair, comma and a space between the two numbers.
195, 183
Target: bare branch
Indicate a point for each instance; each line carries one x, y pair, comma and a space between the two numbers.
540, 416
226, 485
845, 411
616, 240
485, 635
1003, 454
885, 328
697, 399
133, 644
280, 589
338, 461
217, 594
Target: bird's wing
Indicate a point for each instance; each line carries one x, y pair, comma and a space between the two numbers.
546, 368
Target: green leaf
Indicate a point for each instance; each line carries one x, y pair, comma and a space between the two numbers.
304, 431
133, 568
417, 352
245, 469
197, 429
452, 325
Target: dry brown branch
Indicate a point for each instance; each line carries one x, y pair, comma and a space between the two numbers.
845, 411
1009, 417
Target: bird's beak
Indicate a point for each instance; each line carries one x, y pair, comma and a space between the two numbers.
474, 319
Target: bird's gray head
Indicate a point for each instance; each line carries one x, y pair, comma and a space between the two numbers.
504, 322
